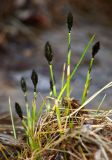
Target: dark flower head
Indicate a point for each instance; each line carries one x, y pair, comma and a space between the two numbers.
48, 52
23, 85
18, 110
34, 78
70, 21
95, 49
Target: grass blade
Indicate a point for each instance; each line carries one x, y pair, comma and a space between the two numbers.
12, 119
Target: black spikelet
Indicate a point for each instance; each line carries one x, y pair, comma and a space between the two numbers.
34, 78
18, 110
70, 21
23, 85
48, 52
95, 49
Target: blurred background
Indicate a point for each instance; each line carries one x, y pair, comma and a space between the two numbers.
25, 26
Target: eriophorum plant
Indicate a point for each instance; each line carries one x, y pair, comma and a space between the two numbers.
46, 132
29, 121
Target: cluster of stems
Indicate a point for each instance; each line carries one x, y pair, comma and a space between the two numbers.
29, 122
31, 116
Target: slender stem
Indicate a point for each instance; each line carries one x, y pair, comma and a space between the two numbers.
52, 79
76, 66
100, 104
12, 120
50, 94
63, 75
33, 115
87, 83
35, 92
34, 108
27, 111
68, 64
29, 128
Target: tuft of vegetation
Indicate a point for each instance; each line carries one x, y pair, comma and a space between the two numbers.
62, 129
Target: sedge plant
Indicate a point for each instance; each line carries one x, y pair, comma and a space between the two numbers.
29, 121
31, 115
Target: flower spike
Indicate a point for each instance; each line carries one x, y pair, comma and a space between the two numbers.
95, 49
70, 21
48, 52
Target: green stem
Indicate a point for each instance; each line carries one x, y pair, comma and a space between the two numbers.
76, 66
63, 75
33, 114
35, 92
68, 64
27, 111
52, 79
87, 83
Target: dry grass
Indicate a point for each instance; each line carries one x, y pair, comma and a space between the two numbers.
84, 135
